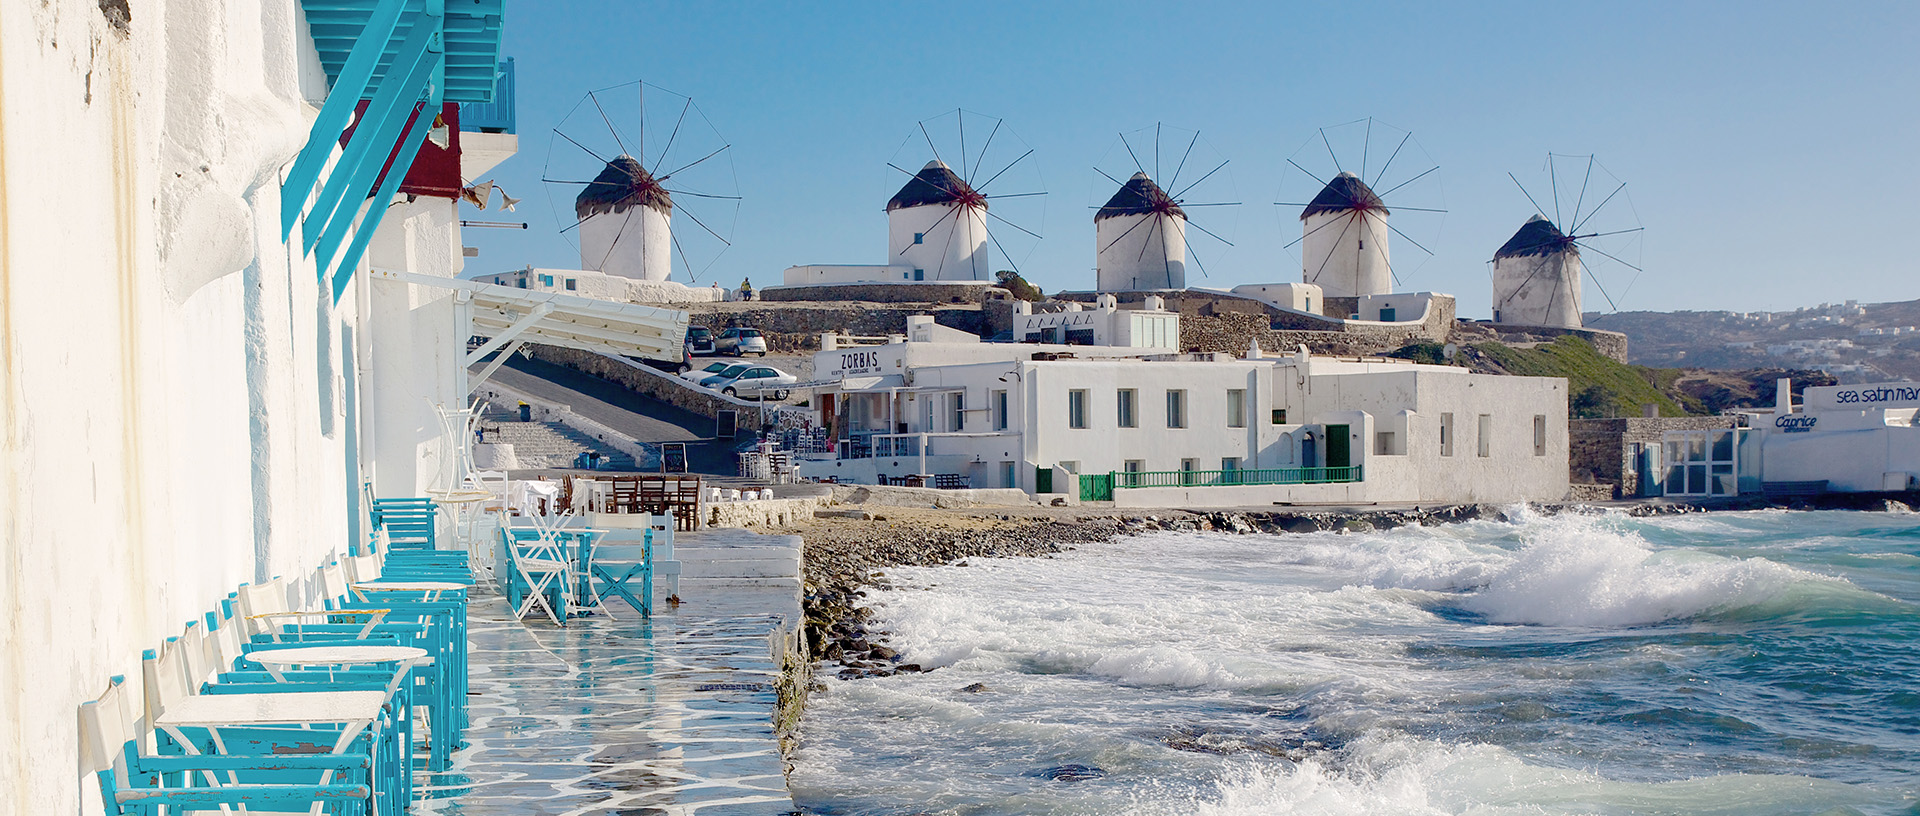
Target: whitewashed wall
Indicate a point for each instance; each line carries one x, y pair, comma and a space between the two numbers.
177, 391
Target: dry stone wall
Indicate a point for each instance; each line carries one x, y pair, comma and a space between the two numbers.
796, 329
885, 292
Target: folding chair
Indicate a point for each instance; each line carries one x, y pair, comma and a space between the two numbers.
616, 566
539, 562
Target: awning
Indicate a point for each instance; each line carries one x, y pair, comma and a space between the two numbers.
880, 383
508, 314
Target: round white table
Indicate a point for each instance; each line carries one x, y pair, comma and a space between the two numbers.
278, 660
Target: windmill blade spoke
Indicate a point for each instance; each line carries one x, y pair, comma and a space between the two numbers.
1415, 209
617, 235
676, 129
1156, 150
564, 181
995, 216
1396, 231
1296, 166
946, 249
1523, 191
929, 138
1195, 255
1123, 233
1190, 223
963, 143
696, 219
610, 129
936, 222
1336, 159
696, 162
1016, 195
1309, 233
1336, 246
1583, 190
1384, 259
1109, 178
1603, 289
1609, 255
1003, 170
1004, 253
1197, 182
701, 195
1151, 231
1390, 158
1602, 234
936, 185
981, 160
1175, 181
1136, 159
1597, 209
1422, 175
579, 145
1184, 205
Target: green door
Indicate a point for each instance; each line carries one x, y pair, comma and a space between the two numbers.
1096, 487
1043, 480
1339, 449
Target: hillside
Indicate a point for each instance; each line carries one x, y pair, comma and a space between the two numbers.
1598, 386
1854, 342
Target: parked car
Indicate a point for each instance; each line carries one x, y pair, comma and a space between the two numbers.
741, 342
759, 382
695, 375
699, 341
725, 374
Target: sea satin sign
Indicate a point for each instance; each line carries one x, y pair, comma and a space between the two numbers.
1856, 397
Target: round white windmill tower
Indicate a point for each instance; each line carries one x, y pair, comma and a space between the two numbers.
625, 223
937, 226
1536, 277
1344, 240
1140, 239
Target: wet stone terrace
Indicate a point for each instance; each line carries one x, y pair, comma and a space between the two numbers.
672, 716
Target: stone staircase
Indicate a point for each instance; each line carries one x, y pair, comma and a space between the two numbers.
549, 444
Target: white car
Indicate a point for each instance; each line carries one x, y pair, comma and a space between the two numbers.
758, 382
717, 379
695, 375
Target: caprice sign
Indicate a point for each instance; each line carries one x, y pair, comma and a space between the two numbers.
1856, 397
1795, 423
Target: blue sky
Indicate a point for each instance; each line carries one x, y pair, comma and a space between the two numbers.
1771, 151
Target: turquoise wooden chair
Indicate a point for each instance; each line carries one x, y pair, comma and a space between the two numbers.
617, 567
134, 782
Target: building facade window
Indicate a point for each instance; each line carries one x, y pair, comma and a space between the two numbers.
572, 285
1187, 468
1279, 416
546, 280
1000, 410
1176, 409
1236, 407
957, 411
1124, 403
1446, 434
1229, 464
1539, 434
1133, 468
1486, 435
1009, 476
1077, 408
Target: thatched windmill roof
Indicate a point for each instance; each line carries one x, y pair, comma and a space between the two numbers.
1139, 196
1536, 237
936, 183
622, 184
1345, 192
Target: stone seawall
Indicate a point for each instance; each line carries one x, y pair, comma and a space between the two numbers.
659, 385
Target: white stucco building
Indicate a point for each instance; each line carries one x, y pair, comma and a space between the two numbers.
1841, 438
1140, 239
1537, 277
1344, 240
936, 232
1159, 429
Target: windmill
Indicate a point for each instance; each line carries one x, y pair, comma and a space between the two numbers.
1141, 238
942, 220
632, 156
1345, 233
1537, 274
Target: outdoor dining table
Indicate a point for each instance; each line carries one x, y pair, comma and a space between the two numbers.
277, 661
432, 589
355, 710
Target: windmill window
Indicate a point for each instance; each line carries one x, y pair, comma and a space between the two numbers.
1363, 243
572, 285
919, 274
919, 237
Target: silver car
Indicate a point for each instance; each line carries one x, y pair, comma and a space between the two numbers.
740, 342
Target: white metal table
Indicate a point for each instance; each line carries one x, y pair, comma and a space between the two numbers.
277, 661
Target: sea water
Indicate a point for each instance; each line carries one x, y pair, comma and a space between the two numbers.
1727, 663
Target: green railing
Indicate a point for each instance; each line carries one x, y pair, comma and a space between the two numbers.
1228, 478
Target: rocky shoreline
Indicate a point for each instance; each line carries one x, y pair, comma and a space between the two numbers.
847, 551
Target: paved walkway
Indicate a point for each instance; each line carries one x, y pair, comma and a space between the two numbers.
672, 716
637, 416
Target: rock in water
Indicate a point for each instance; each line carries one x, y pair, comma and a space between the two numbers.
1070, 773
976, 688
